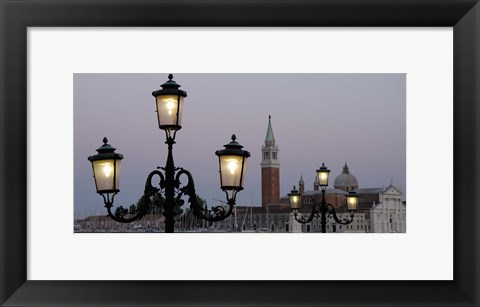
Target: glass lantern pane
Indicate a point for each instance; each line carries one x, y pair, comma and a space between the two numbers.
295, 202
231, 171
352, 203
167, 107
107, 174
323, 178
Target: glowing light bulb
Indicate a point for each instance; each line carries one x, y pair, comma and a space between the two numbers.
170, 106
107, 170
295, 199
323, 176
232, 166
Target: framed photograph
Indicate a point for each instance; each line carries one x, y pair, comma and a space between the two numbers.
73, 72
353, 196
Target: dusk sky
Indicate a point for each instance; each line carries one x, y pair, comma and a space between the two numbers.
331, 118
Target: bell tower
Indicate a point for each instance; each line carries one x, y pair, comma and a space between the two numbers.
270, 169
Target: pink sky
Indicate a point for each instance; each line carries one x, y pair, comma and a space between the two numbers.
331, 118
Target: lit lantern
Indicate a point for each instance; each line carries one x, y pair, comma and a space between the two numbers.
352, 201
232, 163
106, 168
322, 175
169, 102
294, 197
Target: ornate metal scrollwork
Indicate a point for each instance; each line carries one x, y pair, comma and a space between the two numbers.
314, 214
327, 211
215, 214
332, 213
144, 204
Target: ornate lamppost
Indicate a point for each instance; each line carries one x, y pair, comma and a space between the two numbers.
232, 164
323, 209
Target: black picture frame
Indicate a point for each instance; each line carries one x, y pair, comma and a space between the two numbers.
17, 15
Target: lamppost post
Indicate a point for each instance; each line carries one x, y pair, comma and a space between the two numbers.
323, 220
169, 205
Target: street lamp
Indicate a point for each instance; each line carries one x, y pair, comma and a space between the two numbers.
323, 209
169, 102
106, 170
294, 197
352, 201
322, 174
232, 163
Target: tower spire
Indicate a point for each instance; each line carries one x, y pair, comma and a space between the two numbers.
301, 185
269, 138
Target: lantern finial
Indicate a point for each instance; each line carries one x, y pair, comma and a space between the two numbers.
234, 137
105, 140
170, 77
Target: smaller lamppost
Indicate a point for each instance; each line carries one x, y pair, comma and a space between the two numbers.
323, 209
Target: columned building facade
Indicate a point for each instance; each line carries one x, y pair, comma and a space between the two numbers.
389, 214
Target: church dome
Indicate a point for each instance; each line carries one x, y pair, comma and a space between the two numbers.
346, 181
